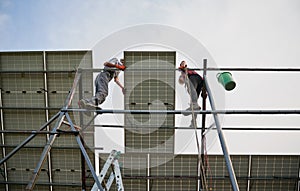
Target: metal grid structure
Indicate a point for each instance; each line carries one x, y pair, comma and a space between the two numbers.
27, 106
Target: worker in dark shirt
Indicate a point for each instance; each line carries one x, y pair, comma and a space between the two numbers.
193, 83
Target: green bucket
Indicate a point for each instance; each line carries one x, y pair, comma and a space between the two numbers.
225, 78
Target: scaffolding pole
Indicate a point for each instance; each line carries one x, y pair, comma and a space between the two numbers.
52, 138
120, 111
83, 174
154, 69
64, 113
204, 95
45, 152
228, 112
27, 140
5, 174
230, 169
84, 153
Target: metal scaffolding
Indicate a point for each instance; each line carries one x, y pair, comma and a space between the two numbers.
64, 114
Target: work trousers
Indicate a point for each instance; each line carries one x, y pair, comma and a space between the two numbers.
101, 85
195, 86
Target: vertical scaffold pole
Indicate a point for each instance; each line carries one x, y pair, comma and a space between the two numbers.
204, 95
83, 174
230, 169
5, 175
84, 153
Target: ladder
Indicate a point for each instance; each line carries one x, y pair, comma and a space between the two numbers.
112, 161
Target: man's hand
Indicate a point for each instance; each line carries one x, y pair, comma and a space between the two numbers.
120, 67
120, 85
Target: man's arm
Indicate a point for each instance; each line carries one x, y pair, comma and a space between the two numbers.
112, 65
119, 84
181, 79
108, 64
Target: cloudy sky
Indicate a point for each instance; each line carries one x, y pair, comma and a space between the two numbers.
248, 33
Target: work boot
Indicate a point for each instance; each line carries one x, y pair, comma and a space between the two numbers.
82, 105
89, 105
194, 106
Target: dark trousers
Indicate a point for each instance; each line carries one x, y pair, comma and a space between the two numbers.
196, 84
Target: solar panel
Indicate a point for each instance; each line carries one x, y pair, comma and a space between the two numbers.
23, 90
149, 89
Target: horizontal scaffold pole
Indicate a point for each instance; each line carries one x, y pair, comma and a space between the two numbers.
208, 128
153, 69
208, 69
202, 69
231, 112
28, 139
149, 127
119, 111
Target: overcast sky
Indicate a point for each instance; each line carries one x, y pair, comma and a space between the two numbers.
248, 33
236, 33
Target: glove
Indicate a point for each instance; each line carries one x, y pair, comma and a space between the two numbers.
120, 67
